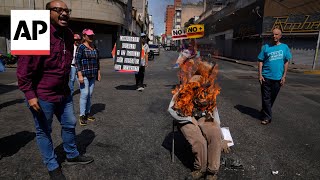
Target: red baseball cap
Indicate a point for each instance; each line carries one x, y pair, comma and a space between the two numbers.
88, 32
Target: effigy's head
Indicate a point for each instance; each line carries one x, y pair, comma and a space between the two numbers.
196, 95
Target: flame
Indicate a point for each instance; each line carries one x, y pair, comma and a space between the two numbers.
197, 90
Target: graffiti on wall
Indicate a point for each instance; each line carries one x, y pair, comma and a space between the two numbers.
289, 24
245, 30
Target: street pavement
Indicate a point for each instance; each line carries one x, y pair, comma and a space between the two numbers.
131, 138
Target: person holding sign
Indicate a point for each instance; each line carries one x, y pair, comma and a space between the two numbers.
144, 62
88, 71
187, 53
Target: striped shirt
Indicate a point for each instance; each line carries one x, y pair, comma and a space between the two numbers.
87, 61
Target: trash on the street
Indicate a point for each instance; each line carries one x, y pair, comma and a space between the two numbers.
275, 172
231, 163
227, 135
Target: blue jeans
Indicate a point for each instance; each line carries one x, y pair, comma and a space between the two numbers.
72, 78
43, 121
2, 66
269, 91
86, 90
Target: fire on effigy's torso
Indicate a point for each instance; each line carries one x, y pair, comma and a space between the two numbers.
196, 95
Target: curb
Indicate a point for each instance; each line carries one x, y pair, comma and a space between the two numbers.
233, 61
295, 70
317, 72
246, 64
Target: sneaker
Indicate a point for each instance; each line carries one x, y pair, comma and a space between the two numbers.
176, 66
56, 174
83, 120
266, 121
80, 160
195, 175
140, 89
90, 118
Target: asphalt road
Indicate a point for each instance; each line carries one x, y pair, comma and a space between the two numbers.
131, 138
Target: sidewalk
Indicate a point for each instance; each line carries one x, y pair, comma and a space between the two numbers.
296, 68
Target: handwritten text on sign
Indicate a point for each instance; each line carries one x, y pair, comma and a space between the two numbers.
128, 54
195, 31
178, 34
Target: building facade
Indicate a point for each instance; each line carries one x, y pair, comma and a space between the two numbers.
141, 16
170, 11
300, 24
169, 21
151, 31
243, 26
190, 11
177, 15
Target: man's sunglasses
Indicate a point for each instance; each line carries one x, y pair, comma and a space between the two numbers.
60, 10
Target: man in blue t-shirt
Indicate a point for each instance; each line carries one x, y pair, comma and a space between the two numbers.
273, 62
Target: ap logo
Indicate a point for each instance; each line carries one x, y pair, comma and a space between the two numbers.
30, 32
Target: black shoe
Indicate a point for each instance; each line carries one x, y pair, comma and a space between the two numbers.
83, 120
211, 176
195, 175
140, 89
80, 160
90, 118
57, 174
266, 121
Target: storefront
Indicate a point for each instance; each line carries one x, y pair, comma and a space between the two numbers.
240, 29
300, 25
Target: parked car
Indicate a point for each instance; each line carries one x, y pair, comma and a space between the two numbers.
155, 49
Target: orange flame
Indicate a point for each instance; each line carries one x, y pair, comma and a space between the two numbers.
198, 89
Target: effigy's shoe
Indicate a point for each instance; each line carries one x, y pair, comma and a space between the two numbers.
195, 175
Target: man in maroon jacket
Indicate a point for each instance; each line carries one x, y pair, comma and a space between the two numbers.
44, 81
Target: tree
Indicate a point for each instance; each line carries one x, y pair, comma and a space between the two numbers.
188, 23
157, 38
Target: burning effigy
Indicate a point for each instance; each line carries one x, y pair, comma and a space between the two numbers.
194, 107
196, 94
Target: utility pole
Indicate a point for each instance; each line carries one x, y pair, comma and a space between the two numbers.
316, 53
129, 10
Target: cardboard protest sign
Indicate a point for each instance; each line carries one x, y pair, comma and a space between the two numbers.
178, 34
195, 31
128, 54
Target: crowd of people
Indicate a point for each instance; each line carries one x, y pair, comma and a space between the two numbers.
48, 85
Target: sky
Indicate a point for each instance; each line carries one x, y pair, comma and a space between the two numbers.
157, 8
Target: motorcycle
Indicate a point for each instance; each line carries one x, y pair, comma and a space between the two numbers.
150, 55
8, 59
